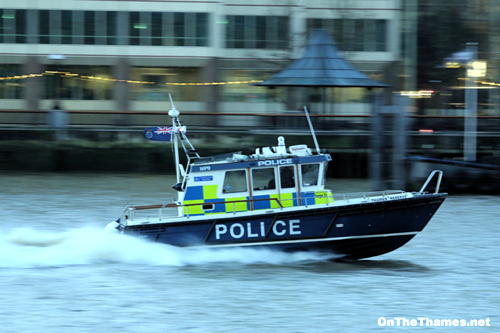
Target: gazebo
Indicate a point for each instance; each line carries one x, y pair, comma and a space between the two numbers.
320, 66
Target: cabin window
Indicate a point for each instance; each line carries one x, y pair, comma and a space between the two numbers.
287, 177
323, 174
310, 174
235, 181
263, 179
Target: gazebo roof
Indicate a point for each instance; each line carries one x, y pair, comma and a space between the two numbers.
321, 66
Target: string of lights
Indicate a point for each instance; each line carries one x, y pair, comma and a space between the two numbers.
488, 83
483, 82
102, 78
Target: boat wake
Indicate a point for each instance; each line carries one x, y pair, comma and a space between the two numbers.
26, 248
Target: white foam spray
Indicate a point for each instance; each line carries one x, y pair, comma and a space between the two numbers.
25, 248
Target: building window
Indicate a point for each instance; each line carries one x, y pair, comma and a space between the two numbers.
12, 26
111, 28
169, 29
179, 29
354, 34
235, 181
381, 35
20, 26
104, 27
43, 26
67, 27
134, 28
89, 27
156, 28
257, 32
202, 29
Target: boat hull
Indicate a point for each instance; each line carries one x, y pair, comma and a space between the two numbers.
353, 231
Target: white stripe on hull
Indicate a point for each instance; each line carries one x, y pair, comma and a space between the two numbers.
294, 241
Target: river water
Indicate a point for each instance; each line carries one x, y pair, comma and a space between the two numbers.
59, 272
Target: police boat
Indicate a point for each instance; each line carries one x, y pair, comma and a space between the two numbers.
275, 198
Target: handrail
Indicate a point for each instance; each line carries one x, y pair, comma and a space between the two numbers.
429, 178
175, 205
343, 196
129, 213
153, 206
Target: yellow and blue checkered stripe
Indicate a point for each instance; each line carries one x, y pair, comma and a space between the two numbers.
207, 194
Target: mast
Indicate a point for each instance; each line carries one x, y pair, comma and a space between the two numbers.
312, 130
174, 114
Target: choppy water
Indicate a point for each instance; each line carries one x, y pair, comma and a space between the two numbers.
60, 273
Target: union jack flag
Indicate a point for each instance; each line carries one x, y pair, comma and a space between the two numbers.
163, 133
158, 133
163, 130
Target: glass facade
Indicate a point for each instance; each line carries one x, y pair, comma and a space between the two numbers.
257, 32
11, 89
245, 92
103, 27
146, 28
354, 34
161, 75
77, 88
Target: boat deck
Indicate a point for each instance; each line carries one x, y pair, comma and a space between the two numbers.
174, 212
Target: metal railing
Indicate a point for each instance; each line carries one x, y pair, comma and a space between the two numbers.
173, 208
165, 212
431, 176
438, 123
366, 196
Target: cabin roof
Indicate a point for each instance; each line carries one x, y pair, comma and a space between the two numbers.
256, 163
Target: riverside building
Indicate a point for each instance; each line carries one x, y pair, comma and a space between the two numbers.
164, 42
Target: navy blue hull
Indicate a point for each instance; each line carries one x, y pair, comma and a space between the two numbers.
352, 232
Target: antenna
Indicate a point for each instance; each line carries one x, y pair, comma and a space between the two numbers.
312, 129
173, 112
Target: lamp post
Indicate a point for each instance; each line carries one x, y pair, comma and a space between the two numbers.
475, 69
470, 116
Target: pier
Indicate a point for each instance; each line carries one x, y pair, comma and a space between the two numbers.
94, 141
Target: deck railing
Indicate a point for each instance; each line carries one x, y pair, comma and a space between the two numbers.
172, 210
130, 212
439, 174
366, 196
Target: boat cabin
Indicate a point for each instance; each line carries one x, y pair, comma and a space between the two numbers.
273, 177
